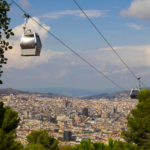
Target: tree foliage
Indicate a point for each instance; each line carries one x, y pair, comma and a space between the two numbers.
42, 137
35, 147
8, 118
112, 145
66, 147
7, 141
4, 32
139, 122
8, 123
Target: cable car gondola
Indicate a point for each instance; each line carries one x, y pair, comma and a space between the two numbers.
134, 93
30, 42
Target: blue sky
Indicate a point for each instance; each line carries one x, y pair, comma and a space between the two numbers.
125, 24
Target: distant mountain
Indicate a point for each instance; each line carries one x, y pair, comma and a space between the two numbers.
9, 91
105, 95
71, 91
96, 96
59, 92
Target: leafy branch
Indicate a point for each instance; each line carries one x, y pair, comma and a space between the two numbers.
4, 31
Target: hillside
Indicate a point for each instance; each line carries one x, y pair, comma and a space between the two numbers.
9, 91
105, 95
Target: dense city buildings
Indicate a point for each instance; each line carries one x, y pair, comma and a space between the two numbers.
95, 119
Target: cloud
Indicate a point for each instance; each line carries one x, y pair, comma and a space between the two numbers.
14, 55
61, 74
90, 13
108, 48
122, 71
24, 3
135, 26
62, 64
138, 9
55, 69
34, 27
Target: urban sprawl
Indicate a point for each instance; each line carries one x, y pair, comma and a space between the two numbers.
80, 119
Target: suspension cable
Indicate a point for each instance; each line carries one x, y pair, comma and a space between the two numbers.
73, 51
107, 41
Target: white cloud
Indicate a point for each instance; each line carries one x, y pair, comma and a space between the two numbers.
61, 74
104, 73
65, 62
138, 9
133, 56
108, 48
73, 63
135, 26
90, 13
24, 3
14, 55
34, 27
122, 71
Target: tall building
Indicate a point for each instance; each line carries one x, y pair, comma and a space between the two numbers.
11, 97
103, 115
30, 115
65, 102
107, 115
114, 110
41, 117
85, 112
8, 100
67, 135
27, 114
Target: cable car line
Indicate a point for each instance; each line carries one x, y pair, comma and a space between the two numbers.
73, 51
107, 41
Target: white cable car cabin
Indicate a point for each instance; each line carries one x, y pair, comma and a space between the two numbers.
134, 93
30, 42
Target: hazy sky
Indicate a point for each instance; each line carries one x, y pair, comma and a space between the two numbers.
124, 23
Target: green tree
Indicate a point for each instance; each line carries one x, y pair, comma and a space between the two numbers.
35, 147
8, 118
42, 137
112, 145
139, 122
66, 147
127, 146
7, 141
99, 146
77, 147
8, 123
86, 145
4, 30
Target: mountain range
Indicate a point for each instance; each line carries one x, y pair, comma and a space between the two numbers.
72, 91
50, 93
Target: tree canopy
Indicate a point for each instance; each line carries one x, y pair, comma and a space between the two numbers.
139, 122
35, 147
8, 118
42, 137
7, 141
8, 123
